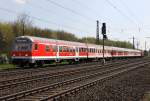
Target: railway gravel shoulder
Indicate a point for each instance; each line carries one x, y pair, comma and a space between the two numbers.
131, 86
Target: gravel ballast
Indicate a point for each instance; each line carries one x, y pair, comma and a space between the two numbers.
131, 86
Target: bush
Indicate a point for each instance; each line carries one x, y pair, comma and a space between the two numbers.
3, 59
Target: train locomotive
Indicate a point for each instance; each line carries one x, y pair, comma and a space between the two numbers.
30, 50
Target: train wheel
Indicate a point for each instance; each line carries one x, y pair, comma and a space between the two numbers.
70, 62
21, 65
40, 63
32, 65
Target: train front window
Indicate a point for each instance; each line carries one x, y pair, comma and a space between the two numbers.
21, 45
36, 47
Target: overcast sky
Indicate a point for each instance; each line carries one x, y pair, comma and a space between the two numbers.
124, 18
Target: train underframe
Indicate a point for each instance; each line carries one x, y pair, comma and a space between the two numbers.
41, 62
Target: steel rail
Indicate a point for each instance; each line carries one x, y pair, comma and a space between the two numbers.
50, 76
24, 93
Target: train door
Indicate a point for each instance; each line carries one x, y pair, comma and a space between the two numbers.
57, 52
77, 54
87, 52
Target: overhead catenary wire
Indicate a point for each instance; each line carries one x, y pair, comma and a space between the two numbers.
130, 12
54, 13
119, 11
79, 2
71, 10
134, 20
82, 4
42, 20
99, 16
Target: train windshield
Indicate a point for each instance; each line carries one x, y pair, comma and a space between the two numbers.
22, 45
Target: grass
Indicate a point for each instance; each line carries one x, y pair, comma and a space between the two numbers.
7, 66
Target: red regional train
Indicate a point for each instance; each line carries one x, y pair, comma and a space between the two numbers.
29, 50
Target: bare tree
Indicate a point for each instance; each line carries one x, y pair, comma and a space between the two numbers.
23, 22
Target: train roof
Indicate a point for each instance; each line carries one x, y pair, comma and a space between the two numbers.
79, 44
46, 40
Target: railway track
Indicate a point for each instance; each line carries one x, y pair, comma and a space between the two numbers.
20, 84
25, 73
86, 77
5, 74
48, 72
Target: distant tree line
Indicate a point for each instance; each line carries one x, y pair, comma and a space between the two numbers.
122, 44
24, 26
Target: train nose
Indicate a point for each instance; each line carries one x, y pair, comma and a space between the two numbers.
14, 55
21, 54
26, 55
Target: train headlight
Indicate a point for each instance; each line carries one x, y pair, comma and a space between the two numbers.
14, 55
26, 54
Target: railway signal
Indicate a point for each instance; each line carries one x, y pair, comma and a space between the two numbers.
97, 32
104, 38
104, 31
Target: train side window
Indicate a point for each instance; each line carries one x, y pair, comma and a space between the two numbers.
86, 49
36, 47
71, 49
80, 49
77, 49
60, 48
67, 49
64, 49
54, 48
47, 48
91, 50
83, 49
